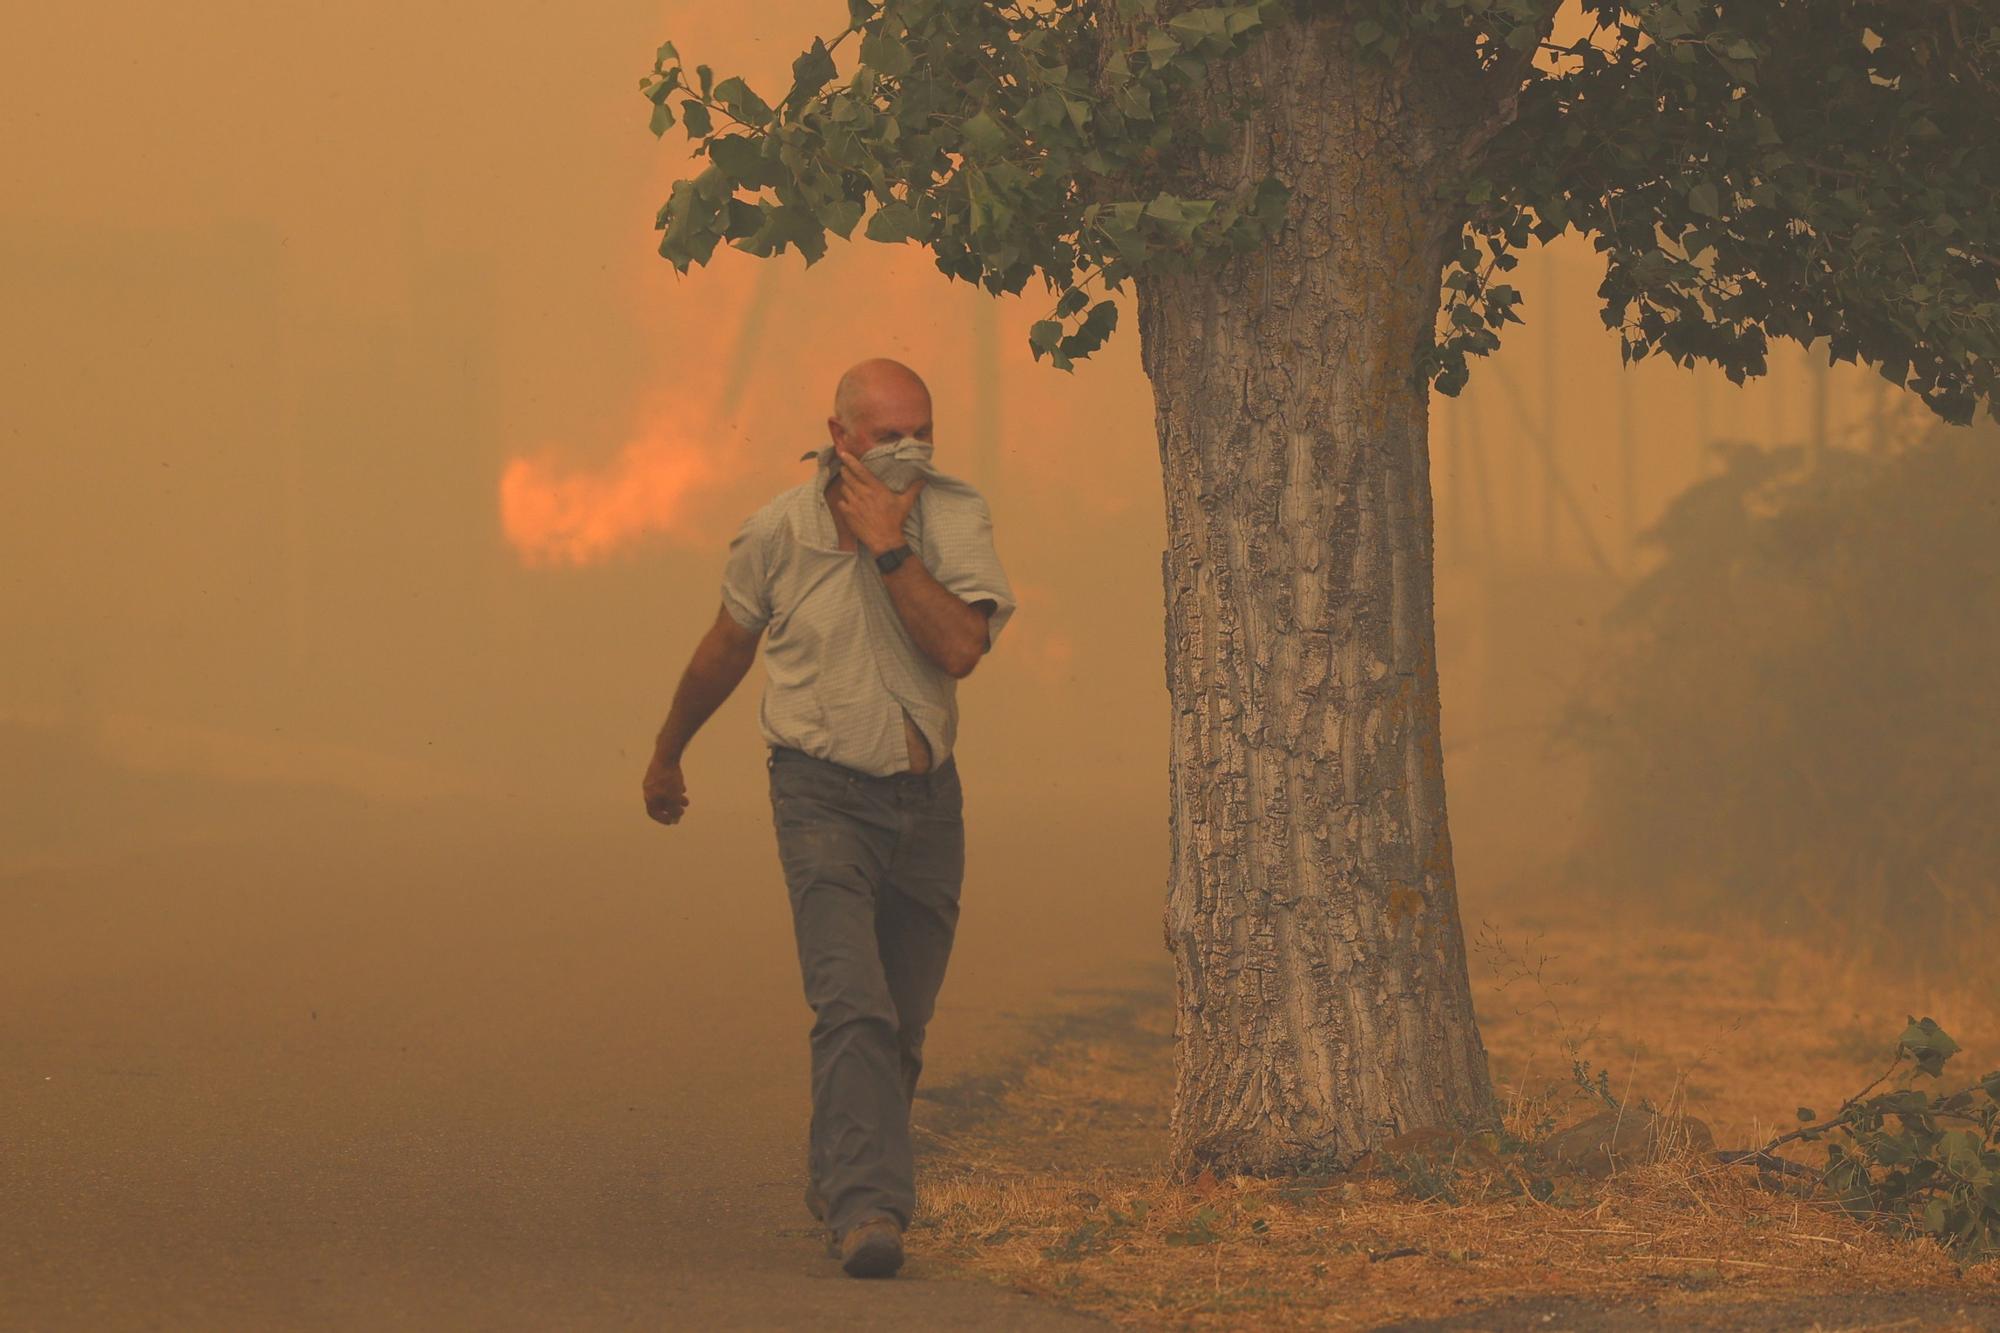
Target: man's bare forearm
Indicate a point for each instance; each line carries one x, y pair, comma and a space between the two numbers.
711, 675
950, 632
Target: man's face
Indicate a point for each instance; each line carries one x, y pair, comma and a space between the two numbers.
879, 422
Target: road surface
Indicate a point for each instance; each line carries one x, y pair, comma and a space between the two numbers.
377, 1067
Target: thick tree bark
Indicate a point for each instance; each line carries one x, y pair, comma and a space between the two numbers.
1312, 908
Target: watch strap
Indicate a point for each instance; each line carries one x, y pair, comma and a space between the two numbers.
888, 560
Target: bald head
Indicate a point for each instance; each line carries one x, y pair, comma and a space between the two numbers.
878, 400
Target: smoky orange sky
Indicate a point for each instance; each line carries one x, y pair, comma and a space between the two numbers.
357, 435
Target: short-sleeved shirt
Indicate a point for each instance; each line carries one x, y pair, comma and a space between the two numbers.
841, 667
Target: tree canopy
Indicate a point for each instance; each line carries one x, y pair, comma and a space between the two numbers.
1785, 168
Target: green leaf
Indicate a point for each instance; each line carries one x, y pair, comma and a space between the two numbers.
1196, 26
893, 223
983, 134
695, 116
1090, 334
840, 216
1043, 112
810, 73
1702, 199
884, 53
742, 218
742, 158
1959, 1150
1926, 1043
785, 225
1269, 200
738, 99
688, 221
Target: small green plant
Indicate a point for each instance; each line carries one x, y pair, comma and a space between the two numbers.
1918, 1162
1422, 1177
1201, 1229
1599, 1085
1136, 1216
1090, 1238
1095, 1235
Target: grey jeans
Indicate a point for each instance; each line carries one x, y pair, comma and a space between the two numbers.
873, 866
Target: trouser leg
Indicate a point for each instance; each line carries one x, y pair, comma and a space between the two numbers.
835, 857
916, 920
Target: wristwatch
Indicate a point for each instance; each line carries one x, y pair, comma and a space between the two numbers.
888, 560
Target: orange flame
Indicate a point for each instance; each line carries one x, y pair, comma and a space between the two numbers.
555, 514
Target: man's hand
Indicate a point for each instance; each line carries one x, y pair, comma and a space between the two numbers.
666, 791
873, 512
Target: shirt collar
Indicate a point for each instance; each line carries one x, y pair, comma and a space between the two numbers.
825, 466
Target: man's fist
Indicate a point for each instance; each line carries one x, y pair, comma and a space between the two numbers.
666, 791
874, 513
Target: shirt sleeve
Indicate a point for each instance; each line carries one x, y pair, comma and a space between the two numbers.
746, 575
962, 558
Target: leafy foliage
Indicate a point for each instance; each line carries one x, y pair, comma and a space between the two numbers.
1923, 1163
1792, 715
1793, 169
978, 131
1801, 170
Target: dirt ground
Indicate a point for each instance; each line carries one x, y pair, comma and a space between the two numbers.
1050, 1179
352, 1067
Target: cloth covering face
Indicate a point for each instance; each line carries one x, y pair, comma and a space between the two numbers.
841, 669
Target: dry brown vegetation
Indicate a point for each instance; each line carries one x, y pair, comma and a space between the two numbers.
1052, 1182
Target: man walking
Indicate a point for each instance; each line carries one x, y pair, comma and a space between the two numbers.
881, 589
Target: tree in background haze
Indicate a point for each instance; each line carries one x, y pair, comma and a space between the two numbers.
1794, 713
1314, 204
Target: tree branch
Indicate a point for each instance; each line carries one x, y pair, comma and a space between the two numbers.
1744, 1154
1506, 81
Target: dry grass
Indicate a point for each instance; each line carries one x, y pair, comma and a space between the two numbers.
1057, 1186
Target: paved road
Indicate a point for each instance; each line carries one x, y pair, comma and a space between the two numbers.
378, 1070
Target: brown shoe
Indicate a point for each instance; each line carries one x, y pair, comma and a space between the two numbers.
872, 1247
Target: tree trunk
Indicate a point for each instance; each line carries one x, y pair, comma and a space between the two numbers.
1312, 909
